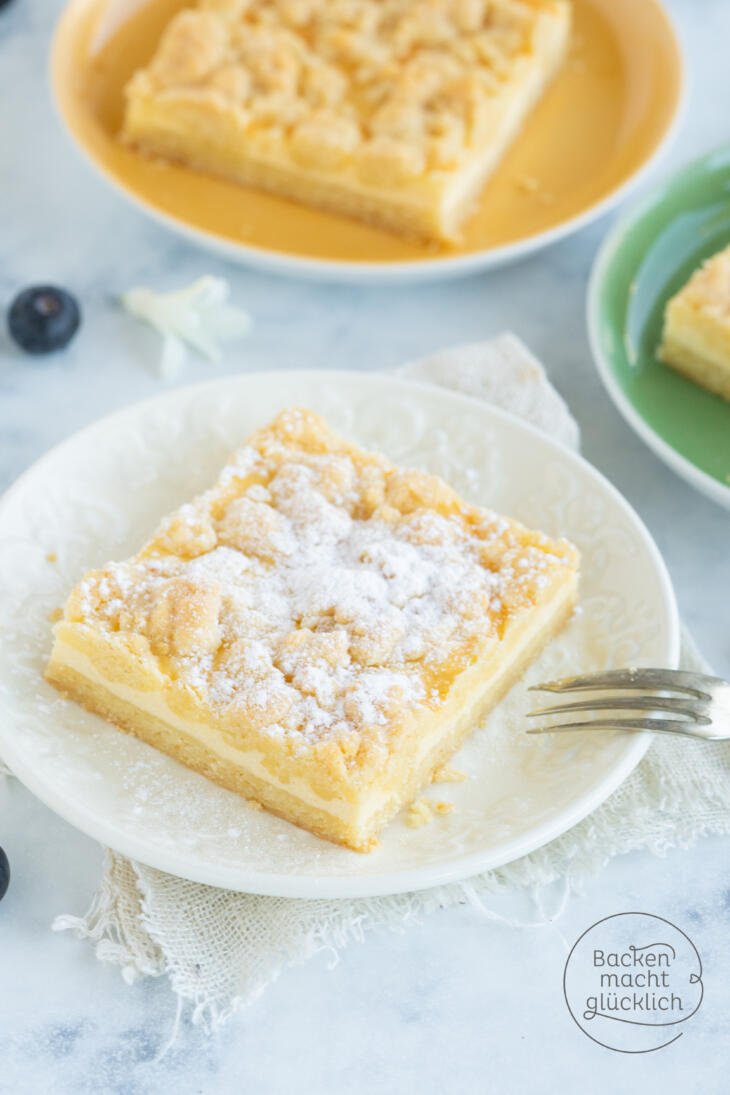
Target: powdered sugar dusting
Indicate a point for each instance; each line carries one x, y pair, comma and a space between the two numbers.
319, 592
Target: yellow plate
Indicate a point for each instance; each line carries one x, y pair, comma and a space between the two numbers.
602, 121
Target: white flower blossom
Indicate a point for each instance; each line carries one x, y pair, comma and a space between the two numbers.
197, 316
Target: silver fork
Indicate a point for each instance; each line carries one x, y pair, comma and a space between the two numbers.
698, 706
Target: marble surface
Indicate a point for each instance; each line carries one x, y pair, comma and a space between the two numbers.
457, 1003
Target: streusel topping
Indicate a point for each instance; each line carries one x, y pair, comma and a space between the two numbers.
317, 591
396, 87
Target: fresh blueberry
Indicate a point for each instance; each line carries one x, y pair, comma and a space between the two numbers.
4, 874
43, 319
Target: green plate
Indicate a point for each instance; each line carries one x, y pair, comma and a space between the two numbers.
644, 261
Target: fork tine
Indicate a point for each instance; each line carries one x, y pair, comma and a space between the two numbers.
630, 703
668, 726
696, 684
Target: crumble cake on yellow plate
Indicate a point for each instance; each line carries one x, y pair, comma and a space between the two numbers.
696, 338
319, 631
394, 112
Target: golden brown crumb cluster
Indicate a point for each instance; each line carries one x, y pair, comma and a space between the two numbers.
397, 87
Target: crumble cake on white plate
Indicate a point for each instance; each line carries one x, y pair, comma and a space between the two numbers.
319, 631
696, 337
394, 112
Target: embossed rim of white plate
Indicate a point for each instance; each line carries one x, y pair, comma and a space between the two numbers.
422, 877
405, 272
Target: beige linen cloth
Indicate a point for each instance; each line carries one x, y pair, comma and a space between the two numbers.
220, 950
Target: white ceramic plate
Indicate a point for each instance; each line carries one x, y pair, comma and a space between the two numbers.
100, 494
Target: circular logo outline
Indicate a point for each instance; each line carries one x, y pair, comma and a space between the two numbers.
694, 979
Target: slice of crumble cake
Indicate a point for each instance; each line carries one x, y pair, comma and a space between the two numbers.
319, 631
